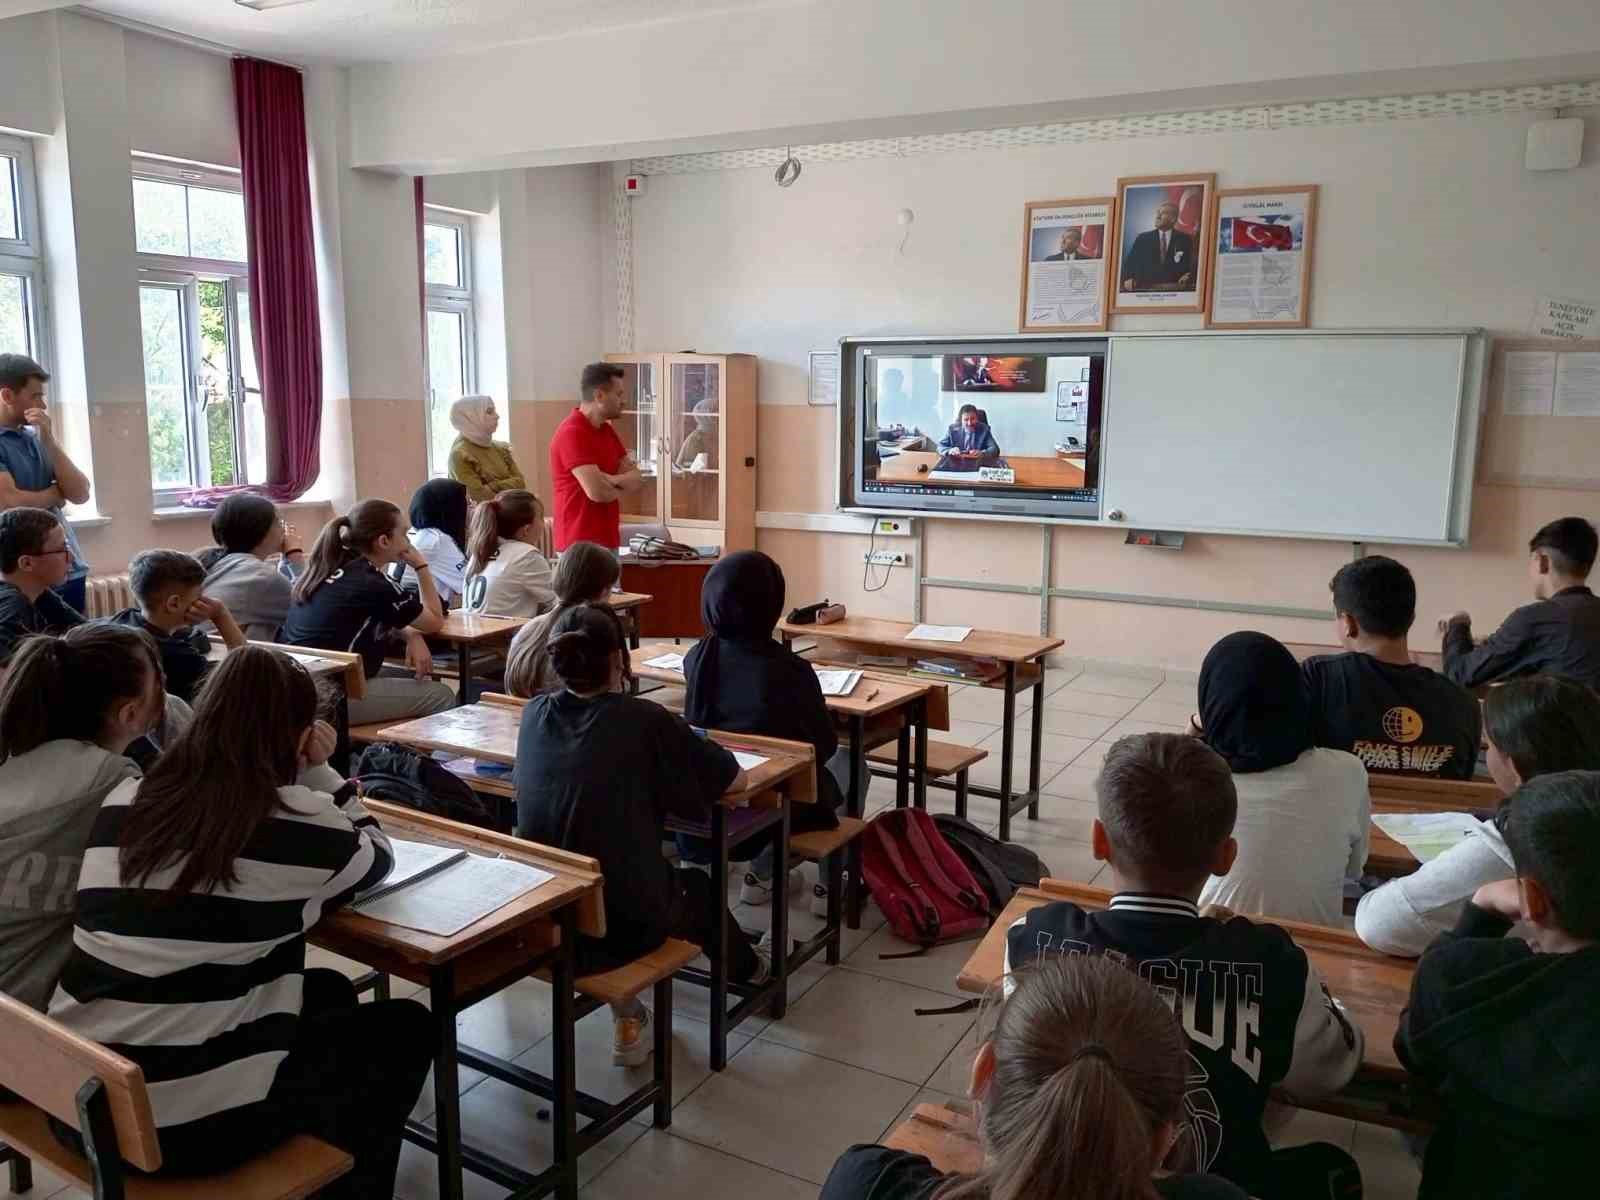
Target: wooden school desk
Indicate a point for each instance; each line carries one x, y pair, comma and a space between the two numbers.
1064, 474
344, 671
878, 708
1373, 988
1022, 656
946, 1136
627, 605
536, 930
474, 631
488, 730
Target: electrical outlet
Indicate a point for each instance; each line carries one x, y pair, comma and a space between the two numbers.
892, 526
887, 558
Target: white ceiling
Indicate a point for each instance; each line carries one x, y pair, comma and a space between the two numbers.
350, 31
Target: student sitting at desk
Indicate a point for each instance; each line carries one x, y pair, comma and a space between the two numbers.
507, 574
172, 606
198, 887
1505, 1032
1535, 727
1080, 1092
439, 533
1559, 634
599, 773
1167, 808
1373, 701
69, 711
248, 533
1304, 812
33, 561
741, 680
969, 437
585, 574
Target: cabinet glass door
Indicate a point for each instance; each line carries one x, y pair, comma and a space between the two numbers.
694, 440
637, 427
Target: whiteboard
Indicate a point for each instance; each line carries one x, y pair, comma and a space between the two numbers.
1360, 436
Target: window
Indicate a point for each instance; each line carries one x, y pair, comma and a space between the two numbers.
450, 354
202, 394
22, 324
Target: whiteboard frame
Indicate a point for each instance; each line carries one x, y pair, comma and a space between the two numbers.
1471, 383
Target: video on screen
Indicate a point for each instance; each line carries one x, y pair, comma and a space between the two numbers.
940, 424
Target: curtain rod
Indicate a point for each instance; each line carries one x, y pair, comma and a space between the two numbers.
181, 39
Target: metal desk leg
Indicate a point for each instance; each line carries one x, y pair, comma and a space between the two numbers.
341, 727
464, 668
1038, 742
902, 768
563, 1057
1008, 739
921, 775
855, 802
446, 1081
633, 629
720, 951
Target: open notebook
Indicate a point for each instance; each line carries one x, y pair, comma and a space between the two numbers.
442, 890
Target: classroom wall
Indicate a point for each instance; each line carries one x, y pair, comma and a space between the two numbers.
1421, 223
180, 101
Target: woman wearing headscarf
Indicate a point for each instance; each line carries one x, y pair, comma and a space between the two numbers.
476, 459
439, 531
1303, 811
741, 680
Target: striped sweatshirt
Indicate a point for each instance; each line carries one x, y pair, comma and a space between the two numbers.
203, 989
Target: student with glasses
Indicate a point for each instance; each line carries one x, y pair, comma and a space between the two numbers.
34, 559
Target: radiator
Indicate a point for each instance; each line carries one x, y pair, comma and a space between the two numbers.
108, 595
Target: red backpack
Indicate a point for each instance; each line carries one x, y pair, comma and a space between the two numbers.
918, 881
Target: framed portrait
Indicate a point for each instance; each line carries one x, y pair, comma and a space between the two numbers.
1163, 243
1261, 268
1064, 277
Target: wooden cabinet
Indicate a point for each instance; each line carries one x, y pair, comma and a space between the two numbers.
690, 422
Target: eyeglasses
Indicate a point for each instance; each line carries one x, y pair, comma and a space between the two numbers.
42, 553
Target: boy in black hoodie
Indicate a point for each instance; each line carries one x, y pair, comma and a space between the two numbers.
1509, 1034
1255, 1012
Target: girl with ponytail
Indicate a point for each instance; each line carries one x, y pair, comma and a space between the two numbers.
69, 710
507, 575
346, 601
585, 574
1080, 1096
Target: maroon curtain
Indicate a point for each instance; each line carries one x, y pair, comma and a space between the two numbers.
284, 328
422, 262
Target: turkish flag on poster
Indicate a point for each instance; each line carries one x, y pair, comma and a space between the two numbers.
1091, 240
1261, 235
1190, 200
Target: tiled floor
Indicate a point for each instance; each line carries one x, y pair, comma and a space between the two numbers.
849, 1059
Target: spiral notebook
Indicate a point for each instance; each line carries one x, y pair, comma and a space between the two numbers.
442, 890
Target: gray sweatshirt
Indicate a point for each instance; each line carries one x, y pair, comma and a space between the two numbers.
49, 798
255, 591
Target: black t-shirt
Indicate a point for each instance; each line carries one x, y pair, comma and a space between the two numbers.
879, 1173
20, 617
600, 777
355, 609
183, 653
1393, 718
1238, 988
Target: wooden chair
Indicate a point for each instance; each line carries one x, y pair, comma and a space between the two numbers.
103, 1096
946, 1136
945, 759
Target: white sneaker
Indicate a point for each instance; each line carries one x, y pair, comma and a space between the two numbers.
763, 952
632, 1040
819, 896
754, 889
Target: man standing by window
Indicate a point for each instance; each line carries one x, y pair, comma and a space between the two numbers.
35, 471
590, 469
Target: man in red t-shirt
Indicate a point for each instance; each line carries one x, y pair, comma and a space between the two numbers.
590, 467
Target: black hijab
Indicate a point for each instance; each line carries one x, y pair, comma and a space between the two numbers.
743, 597
1253, 703
441, 504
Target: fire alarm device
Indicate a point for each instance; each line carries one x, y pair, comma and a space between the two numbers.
633, 185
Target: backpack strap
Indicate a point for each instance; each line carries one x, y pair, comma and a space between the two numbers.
930, 861
928, 918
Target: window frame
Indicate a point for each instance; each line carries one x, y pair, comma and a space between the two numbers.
23, 255
456, 300
185, 274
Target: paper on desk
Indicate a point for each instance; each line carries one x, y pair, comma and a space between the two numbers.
666, 662
748, 761
449, 901
411, 860
1427, 835
939, 633
837, 683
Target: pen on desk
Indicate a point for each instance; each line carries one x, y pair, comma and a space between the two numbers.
873, 694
